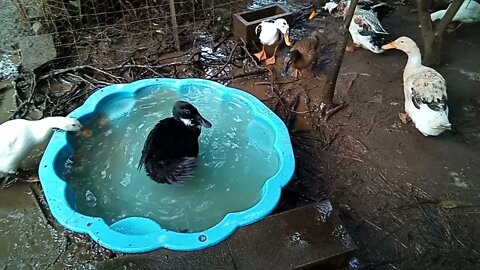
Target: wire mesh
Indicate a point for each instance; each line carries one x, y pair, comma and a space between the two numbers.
109, 32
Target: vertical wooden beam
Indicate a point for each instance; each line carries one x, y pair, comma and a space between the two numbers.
173, 17
328, 91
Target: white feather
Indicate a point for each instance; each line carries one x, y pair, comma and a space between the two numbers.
187, 122
18, 137
469, 12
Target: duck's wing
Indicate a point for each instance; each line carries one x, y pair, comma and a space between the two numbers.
176, 171
264, 25
181, 170
428, 88
12, 136
305, 45
368, 22
153, 143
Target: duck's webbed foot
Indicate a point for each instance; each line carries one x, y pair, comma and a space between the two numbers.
404, 117
262, 55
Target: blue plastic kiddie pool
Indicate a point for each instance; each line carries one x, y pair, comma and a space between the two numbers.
141, 234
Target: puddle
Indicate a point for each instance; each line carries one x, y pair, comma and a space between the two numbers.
211, 59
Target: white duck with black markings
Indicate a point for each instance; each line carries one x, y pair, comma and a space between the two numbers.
270, 32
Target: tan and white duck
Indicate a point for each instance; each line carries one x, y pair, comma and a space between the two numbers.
425, 91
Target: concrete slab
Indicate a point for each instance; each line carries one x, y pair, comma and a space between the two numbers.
306, 237
28, 242
216, 257
36, 50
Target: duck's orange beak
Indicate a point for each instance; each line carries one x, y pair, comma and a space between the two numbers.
287, 39
390, 45
313, 14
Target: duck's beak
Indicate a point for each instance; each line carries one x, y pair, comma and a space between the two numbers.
313, 14
390, 45
287, 39
204, 122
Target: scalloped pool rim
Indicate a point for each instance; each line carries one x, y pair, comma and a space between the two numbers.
57, 190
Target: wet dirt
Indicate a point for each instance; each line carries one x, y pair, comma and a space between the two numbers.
390, 182
409, 201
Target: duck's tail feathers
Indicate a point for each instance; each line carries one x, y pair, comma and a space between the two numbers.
172, 172
446, 126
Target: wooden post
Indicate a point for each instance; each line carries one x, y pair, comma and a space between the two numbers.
433, 36
328, 91
173, 17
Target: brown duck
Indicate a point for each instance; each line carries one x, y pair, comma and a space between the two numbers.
304, 53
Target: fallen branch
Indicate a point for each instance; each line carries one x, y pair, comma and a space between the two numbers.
276, 82
77, 68
241, 75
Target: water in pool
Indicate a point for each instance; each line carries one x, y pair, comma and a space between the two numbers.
236, 158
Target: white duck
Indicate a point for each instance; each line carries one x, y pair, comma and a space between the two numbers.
19, 136
366, 30
425, 91
469, 12
270, 32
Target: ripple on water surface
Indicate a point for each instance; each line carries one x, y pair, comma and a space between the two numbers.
236, 158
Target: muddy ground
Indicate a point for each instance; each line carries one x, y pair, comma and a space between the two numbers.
410, 202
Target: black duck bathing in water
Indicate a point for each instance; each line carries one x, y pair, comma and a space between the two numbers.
171, 149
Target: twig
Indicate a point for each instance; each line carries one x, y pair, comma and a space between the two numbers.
334, 110
28, 101
302, 112
371, 125
76, 68
228, 60
244, 47
94, 80
276, 82
80, 78
232, 77
352, 158
222, 41
181, 63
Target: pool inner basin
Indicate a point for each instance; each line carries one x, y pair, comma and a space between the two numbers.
236, 157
